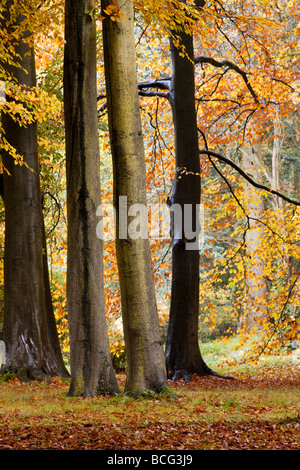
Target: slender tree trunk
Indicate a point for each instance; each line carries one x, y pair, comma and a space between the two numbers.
50, 317
183, 355
91, 365
256, 283
26, 334
276, 154
144, 349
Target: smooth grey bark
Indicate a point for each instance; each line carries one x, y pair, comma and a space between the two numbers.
143, 343
256, 282
276, 154
91, 365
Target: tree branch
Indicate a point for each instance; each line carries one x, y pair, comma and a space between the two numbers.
232, 66
280, 318
248, 217
160, 83
144, 88
247, 177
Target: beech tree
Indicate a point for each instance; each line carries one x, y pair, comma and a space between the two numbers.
243, 78
255, 280
143, 343
234, 54
29, 329
183, 356
91, 365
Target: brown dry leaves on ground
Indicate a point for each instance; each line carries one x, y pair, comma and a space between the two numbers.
261, 412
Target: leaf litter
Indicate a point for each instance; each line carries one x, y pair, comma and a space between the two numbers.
258, 412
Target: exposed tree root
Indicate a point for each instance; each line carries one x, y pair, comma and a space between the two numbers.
183, 374
27, 375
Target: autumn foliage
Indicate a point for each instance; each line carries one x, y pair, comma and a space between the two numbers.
247, 97
247, 92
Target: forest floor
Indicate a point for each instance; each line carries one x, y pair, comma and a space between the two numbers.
256, 411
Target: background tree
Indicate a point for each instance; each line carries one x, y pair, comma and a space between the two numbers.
91, 366
183, 356
255, 280
143, 343
230, 98
233, 98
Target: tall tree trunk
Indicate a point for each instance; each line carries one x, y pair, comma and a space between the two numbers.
25, 333
276, 154
91, 365
50, 317
256, 283
144, 349
183, 356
